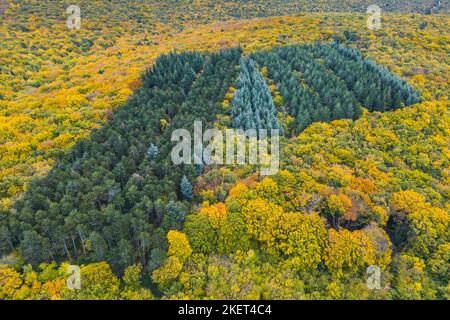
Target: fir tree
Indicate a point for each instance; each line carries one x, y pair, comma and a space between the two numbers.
186, 189
152, 152
253, 106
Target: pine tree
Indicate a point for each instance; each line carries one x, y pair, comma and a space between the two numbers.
253, 106
186, 189
199, 169
152, 152
174, 216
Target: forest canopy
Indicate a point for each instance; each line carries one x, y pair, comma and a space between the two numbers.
86, 118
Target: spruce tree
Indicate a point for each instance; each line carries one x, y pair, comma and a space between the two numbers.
186, 189
253, 106
152, 152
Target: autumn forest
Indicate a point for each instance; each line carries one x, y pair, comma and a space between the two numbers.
90, 97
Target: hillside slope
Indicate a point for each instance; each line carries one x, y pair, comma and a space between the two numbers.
86, 175
42, 114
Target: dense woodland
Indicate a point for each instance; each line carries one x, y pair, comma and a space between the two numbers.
86, 176
252, 105
51, 98
323, 83
112, 175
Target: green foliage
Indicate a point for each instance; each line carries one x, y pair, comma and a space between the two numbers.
371, 191
329, 82
186, 189
116, 199
253, 107
152, 152
327, 217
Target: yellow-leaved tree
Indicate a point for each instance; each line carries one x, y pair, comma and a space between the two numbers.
178, 252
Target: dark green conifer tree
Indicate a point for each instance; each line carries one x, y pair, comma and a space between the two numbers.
186, 189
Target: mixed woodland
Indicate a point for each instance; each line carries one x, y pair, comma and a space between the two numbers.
86, 177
